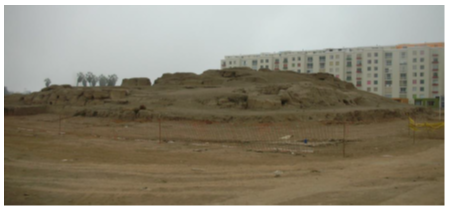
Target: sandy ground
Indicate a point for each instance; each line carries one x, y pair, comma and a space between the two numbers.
92, 165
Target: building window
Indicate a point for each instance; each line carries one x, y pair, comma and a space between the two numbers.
299, 71
422, 81
230, 62
293, 65
369, 61
369, 54
337, 63
402, 90
262, 61
375, 68
422, 52
388, 63
293, 58
414, 59
368, 89
285, 60
414, 52
267, 66
375, 61
331, 63
388, 55
375, 89
369, 82
375, 82
422, 59
414, 89
422, 89
299, 65
245, 62
331, 69
414, 74
403, 54
331, 56
310, 59
299, 58
267, 60
414, 81
375, 54
403, 75
421, 74
414, 67
422, 67
435, 75
375, 75
369, 68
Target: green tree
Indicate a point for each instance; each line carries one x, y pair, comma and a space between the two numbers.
112, 79
47, 82
94, 80
80, 77
103, 80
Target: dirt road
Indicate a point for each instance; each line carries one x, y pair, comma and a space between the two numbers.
43, 168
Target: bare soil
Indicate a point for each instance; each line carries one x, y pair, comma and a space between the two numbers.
101, 161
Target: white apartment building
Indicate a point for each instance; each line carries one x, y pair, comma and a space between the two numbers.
401, 71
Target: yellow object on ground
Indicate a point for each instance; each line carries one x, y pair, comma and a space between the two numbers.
429, 126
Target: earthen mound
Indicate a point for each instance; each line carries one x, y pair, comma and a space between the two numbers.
126, 82
230, 94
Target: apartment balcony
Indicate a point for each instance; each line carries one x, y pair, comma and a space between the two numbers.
435, 84
403, 95
358, 72
435, 70
349, 65
435, 55
403, 85
358, 58
358, 65
277, 62
358, 79
349, 59
435, 62
358, 85
434, 77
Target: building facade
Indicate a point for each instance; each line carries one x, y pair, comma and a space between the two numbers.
402, 71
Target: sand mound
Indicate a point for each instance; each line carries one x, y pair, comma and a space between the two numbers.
230, 94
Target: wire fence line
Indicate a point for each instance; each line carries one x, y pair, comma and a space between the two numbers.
294, 137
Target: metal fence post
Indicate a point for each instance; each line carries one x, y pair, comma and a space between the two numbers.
159, 121
343, 142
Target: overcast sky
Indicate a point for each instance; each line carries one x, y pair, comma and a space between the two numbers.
146, 41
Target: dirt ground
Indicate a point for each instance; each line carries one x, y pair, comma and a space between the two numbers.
95, 163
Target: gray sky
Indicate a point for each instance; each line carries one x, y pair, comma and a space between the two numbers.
147, 41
